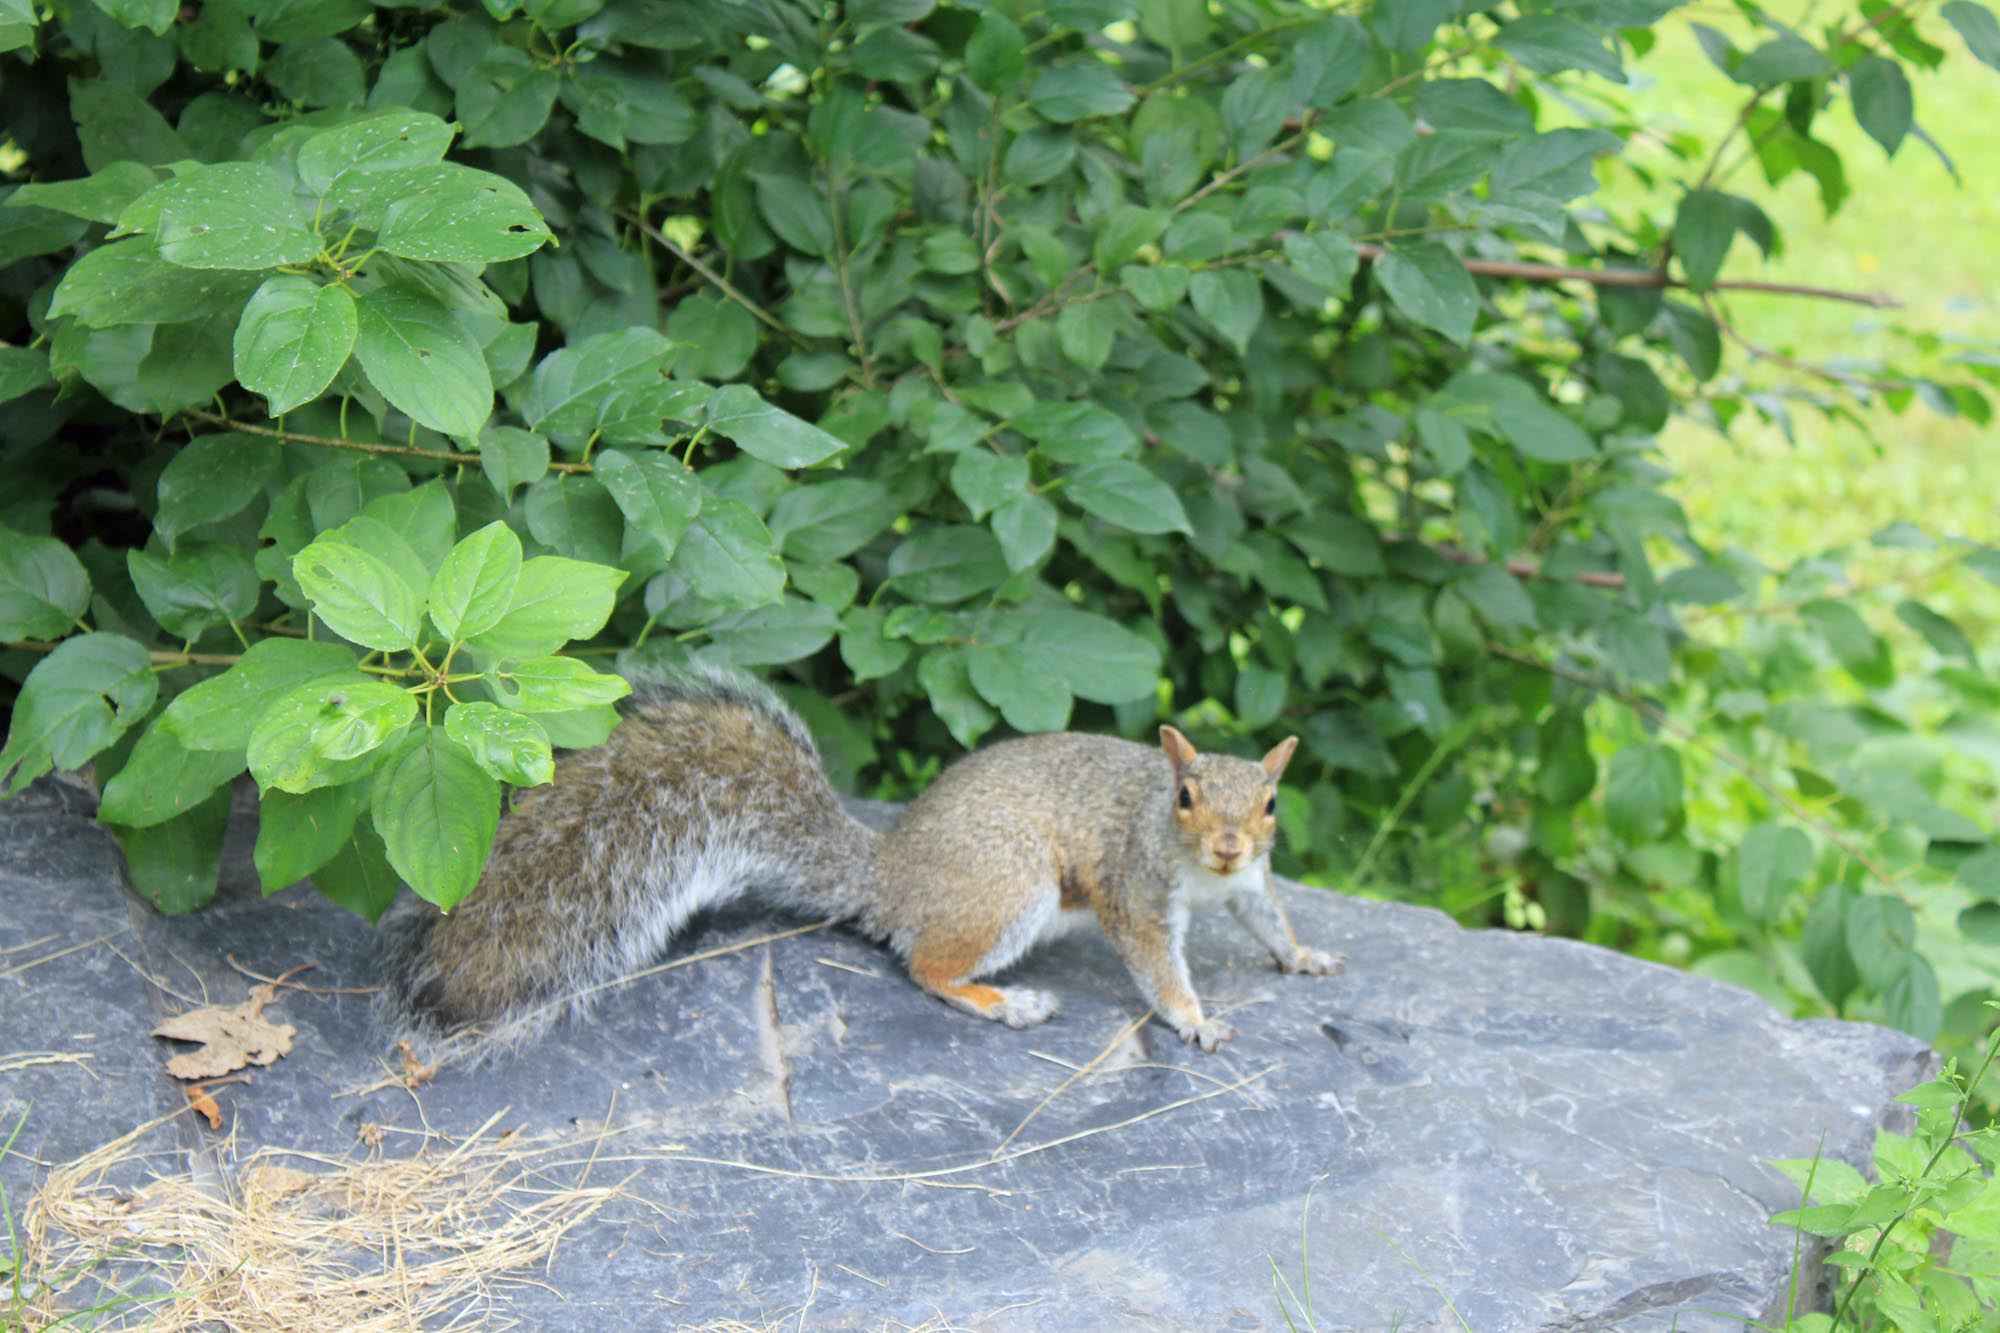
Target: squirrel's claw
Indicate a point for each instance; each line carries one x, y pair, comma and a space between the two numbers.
1314, 963
1209, 1034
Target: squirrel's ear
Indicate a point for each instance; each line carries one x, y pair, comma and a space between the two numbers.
1281, 754
1180, 751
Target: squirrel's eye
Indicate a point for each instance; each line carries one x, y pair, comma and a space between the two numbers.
1271, 804
1187, 799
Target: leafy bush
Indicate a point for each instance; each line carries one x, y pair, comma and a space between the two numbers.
976, 366
1919, 1250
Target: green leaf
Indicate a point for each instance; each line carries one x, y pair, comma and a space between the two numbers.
1017, 682
452, 214
212, 479
1860, 649
113, 123
234, 215
361, 717
1914, 1003
1883, 102
555, 600
1551, 43
509, 746
424, 362
986, 480
1156, 287
22, 371
1977, 26
384, 141
512, 457
1517, 411
1772, 863
1881, 937
831, 520
1087, 332
1941, 632
294, 338
1326, 259
43, 587
611, 385
1703, 230
437, 811
867, 651
126, 282
947, 563
1124, 231
728, 556
298, 834
1329, 61
474, 585
948, 682
797, 211
1077, 90
176, 865
285, 749
1075, 432
505, 98
552, 685
772, 434
1126, 493
771, 635
162, 779
201, 585
1786, 58
656, 492
359, 877
995, 54
1096, 657
76, 701
1642, 793
220, 713
1429, 284
1231, 300
99, 197
1026, 529
360, 597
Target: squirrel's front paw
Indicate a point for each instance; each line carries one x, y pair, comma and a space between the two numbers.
1315, 963
1209, 1034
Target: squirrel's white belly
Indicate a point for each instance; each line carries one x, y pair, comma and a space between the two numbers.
1203, 890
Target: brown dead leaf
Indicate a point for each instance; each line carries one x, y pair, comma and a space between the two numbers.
415, 1072
198, 1098
231, 1037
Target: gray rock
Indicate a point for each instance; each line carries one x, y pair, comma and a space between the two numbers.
1533, 1133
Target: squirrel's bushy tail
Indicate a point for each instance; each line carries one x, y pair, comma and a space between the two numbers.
709, 790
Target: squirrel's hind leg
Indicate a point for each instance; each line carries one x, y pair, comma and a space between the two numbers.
945, 963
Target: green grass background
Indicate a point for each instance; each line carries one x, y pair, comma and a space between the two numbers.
1908, 229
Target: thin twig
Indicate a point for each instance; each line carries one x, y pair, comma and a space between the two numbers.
1760, 352
361, 446
156, 655
1640, 277
709, 275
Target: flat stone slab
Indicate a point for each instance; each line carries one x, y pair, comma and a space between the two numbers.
1526, 1133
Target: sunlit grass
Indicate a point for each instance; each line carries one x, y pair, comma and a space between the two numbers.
1906, 228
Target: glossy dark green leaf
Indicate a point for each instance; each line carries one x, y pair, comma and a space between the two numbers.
436, 810
75, 702
162, 779
1096, 657
176, 865
1126, 493
298, 834
1429, 284
555, 600
947, 563
1018, 682
43, 587
739, 414
423, 361
295, 336
448, 213
729, 557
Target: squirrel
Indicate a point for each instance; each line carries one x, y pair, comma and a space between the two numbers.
711, 790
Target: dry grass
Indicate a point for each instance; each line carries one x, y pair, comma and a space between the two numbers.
280, 1240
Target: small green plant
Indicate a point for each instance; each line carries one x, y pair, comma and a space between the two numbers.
1919, 1251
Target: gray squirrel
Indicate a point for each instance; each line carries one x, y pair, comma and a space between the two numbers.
711, 790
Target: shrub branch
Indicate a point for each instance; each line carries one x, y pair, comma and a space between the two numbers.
363, 446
